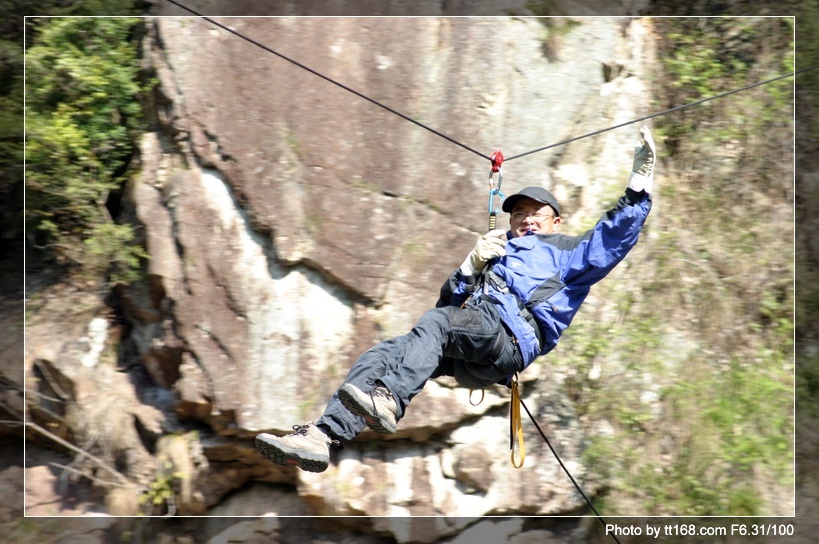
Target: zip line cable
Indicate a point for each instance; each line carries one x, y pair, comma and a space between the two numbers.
453, 140
671, 110
334, 82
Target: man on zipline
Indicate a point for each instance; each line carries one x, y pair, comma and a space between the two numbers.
507, 304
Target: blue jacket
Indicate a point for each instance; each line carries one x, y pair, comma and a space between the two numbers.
544, 278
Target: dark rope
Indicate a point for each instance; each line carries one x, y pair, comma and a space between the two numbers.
334, 82
677, 108
566, 470
454, 141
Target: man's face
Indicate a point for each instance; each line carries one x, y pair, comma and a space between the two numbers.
531, 217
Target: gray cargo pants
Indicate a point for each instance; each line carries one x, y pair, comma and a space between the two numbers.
469, 343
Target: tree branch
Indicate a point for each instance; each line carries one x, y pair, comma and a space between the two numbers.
123, 481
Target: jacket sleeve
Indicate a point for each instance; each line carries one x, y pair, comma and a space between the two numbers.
608, 242
456, 289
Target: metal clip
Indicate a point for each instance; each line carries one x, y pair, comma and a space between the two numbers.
494, 191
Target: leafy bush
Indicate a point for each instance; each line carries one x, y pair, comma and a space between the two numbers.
82, 120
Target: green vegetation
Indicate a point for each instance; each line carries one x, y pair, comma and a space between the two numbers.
12, 29
82, 121
706, 57
807, 27
161, 492
699, 399
709, 427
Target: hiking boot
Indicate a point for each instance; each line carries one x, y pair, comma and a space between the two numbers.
308, 448
377, 407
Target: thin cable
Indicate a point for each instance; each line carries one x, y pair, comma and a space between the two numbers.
322, 76
456, 142
566, 470
677, 108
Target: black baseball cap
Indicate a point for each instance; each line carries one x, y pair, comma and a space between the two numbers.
535, 193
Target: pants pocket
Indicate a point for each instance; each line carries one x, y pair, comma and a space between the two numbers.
509, 360
489, 371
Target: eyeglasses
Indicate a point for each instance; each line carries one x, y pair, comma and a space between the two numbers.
537, 216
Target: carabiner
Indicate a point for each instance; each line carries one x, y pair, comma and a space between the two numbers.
497, 160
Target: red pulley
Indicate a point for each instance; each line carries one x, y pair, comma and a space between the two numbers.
497, 160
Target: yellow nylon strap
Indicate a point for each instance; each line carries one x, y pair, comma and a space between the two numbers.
516, 426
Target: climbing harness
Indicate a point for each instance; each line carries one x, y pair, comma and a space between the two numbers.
495, 191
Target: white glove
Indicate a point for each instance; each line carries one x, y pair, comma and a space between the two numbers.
642, 170
490, 245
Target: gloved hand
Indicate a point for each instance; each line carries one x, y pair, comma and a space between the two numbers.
642, 170
490, 245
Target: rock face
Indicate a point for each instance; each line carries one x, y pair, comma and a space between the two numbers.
292, 224
292, 217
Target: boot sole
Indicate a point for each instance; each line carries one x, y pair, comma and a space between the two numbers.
282, 455
363, 407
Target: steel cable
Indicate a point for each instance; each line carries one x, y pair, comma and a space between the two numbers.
453, 140
326, 78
